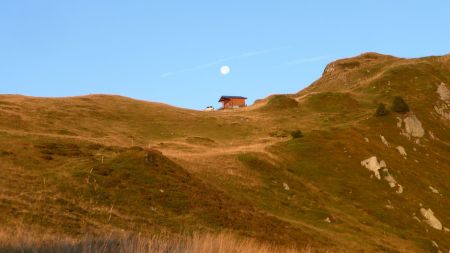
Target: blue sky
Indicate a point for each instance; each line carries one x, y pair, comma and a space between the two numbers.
172, 51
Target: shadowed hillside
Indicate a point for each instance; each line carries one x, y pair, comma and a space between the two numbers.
352, 180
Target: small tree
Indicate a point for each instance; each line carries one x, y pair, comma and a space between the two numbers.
296, 134
381, 110
399, 105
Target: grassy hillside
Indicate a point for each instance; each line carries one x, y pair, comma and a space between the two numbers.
98, 164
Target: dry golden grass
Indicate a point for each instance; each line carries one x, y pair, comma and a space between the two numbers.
23, 241
68, 166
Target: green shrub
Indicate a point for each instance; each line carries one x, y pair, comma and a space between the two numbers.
296, 134
381, 110
399, 105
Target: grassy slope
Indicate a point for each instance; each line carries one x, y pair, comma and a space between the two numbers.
226, 169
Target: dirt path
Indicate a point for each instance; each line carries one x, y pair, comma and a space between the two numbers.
191, 151
216, 159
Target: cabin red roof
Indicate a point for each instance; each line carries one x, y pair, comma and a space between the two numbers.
222, 98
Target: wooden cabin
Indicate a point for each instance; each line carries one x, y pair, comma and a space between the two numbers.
231, 102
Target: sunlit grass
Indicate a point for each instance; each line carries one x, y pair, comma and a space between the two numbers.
23, 241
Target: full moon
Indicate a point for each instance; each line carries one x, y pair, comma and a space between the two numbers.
225, 70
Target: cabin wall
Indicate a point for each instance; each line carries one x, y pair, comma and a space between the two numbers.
233, 103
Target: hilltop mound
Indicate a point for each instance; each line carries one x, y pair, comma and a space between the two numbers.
364, 72
280, 102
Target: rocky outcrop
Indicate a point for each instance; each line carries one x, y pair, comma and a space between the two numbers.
385, 142
412, 126
430, 219
442, 107
402, 151
434, 190
380, 171
443, 110
374, 166
443, 92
